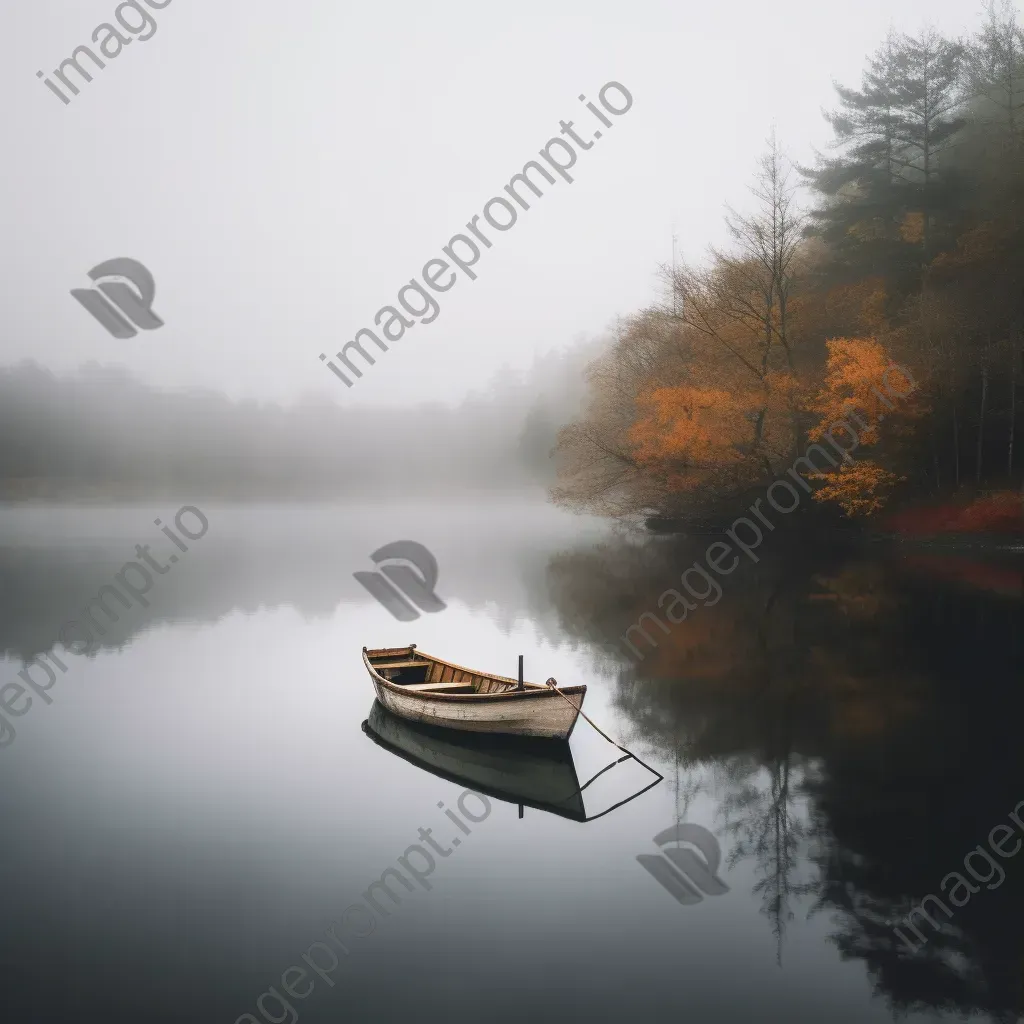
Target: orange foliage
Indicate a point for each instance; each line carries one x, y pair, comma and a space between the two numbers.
856, 372
784, 389
978, 247
861, 305
859, 488
912, 228
695, 428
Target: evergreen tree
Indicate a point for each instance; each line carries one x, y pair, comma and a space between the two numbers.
859, 213
930, 101
882, 196
994, 73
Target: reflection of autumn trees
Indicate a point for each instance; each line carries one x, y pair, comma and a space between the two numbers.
893, 820
895, 814
913, 250
761, 811
861, 717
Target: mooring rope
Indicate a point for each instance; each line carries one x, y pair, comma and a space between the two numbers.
551, 682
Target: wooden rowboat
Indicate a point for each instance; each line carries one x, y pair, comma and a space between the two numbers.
426, 689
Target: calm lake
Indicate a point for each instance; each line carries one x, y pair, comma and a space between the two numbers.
199, 804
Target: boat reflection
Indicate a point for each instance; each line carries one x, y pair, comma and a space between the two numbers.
537, 773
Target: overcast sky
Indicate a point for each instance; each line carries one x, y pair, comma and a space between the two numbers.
283, 168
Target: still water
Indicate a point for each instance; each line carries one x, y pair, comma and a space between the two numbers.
199, 804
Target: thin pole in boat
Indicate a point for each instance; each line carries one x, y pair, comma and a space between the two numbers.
521, 687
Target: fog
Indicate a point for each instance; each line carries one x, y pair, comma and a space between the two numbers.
282, 170
100, 434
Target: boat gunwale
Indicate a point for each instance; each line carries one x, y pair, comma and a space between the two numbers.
533, 690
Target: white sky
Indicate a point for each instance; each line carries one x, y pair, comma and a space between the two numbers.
284, 168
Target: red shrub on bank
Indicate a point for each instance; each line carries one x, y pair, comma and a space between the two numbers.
1001, 513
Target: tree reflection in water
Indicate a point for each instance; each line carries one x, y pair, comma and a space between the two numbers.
857, 712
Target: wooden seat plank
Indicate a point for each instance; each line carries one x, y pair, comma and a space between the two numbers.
434, 686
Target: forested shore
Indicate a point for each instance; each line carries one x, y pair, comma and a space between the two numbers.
904, 242
99, 435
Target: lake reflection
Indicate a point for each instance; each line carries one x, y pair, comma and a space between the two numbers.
199, 804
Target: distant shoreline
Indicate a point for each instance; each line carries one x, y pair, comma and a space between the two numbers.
97, 498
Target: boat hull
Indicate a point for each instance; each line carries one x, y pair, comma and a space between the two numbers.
533, 714
493, 705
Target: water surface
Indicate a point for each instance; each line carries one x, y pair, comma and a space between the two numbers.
199, 803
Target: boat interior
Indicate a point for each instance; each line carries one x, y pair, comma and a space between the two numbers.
406, 667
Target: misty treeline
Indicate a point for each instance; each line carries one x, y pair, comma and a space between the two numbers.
904, 242
99, 433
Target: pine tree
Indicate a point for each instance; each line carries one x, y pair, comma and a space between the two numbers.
930, 101
883, 194
860, 214
994, 73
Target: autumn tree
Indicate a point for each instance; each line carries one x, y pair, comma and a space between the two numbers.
914, 250
766, 254
863, 390
737, 326
697, 401
598, 467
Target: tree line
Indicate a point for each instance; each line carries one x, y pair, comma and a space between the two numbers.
903, 243
100, 434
